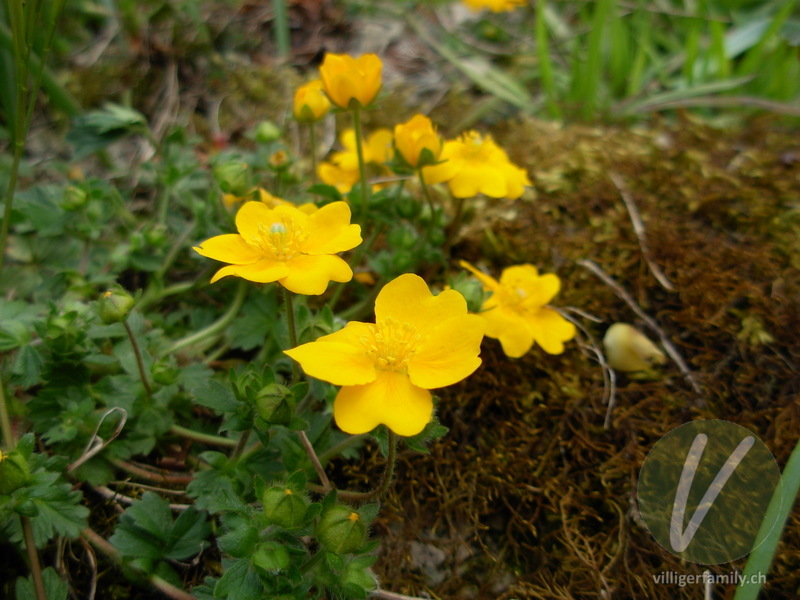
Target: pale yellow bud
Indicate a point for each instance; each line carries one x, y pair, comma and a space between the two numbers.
628, 349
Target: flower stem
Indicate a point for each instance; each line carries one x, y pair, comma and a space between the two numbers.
241, 444
5, 419
312, 455
139, 361
312, 140
454, 226
33, 557
362, 167
287, 299
12, 185
216, 327
386, 480
281, 28
204, 438
426, 192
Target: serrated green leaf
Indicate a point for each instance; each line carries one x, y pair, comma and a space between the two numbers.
54, 587
239, 542
146, 530
216, 396
240, 582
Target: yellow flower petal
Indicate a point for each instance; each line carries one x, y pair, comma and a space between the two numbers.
229, 248
378, 148
551, 330
250, 215
338, 358
489, 282
448, 353
390, 400
262, 271
535, 290
310, 275
510, 328
407, 299
330, 231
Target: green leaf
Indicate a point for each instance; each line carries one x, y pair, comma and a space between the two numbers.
97, 129
240, 582
239, 542
54, 587
146, 530
58, 507
215, 395
27, 369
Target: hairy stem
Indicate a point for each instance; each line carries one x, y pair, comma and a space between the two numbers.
33, 557
362, 167
139, 361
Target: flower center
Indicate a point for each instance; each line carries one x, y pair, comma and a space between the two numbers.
391, 344
282, 240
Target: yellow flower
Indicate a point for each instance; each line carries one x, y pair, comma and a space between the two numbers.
286, 245
310, 102
495, 5
517, 313
418, 342
342, 170
273, 201
417, 141
476, 165
346, 79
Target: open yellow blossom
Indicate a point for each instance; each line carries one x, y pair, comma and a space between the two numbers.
417, 141
273, 201
310, 102
342, 169
495, 5
517, 313
348, 80
418, 342
474, 164
286, 245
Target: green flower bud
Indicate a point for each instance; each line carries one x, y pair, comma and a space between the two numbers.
164, 372
275, 404
279, 160
233, 178
115, 305
284, 507
341, 530
267, 132
14, 472
156, 235
271, 556
74, 198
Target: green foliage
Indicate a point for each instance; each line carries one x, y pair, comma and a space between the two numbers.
147, 534
54, 587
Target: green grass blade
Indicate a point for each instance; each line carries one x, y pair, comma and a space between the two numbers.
777, 513
545, 63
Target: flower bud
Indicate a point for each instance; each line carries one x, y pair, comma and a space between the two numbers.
351, 82
115, 305
233, 177
310, 102
417, 142
284, 507
271, 556
628, 349
275, 404
14, 472
267, 132
341, 530
74, 198
279, 160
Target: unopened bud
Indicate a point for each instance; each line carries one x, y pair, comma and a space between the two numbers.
284, 507
341, 530
14, 472
233, 177
628, 349
275, 404
115, 305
